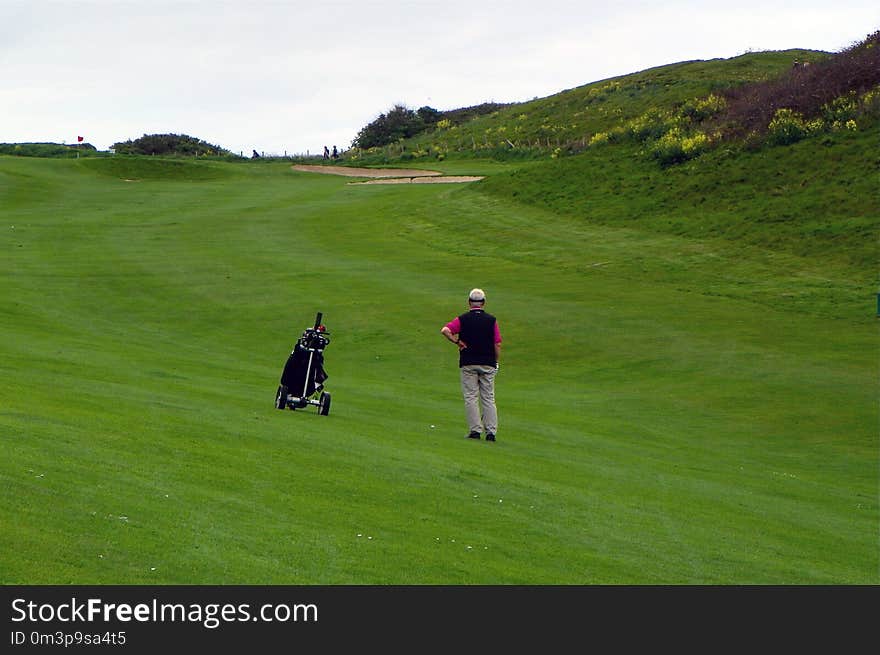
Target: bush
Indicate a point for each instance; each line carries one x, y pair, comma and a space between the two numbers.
699, 109
599, 138
676, 146
168, 144
869, 102
398, 123
650, 125
808, 90
841, 109
789, 126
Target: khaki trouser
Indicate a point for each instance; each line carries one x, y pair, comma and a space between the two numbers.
478, 389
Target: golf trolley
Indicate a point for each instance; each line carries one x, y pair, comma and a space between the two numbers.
302, 381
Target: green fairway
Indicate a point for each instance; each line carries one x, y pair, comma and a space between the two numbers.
674, 408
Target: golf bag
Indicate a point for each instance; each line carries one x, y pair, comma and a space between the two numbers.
303, 377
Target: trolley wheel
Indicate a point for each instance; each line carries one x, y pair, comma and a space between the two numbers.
324, 406
281, 398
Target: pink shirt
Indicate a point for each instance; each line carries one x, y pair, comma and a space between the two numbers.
455, 327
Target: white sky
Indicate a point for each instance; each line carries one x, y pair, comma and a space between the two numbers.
292, 76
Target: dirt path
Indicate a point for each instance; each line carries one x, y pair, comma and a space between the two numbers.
388, 175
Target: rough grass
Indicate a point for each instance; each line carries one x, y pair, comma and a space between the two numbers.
816, 199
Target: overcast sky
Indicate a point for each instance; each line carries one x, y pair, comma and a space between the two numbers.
292, 76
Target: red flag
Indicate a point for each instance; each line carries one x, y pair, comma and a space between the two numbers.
79, 138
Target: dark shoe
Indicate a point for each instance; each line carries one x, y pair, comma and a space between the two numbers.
474, 435
490, 437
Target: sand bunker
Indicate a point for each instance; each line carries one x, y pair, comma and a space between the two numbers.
388, 175
351, 171
451, 179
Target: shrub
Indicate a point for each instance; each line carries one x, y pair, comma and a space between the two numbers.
789, 126
841, 109
699, 109
804, 89
650, 125
869, 102
168, 144
677, 146
398, 123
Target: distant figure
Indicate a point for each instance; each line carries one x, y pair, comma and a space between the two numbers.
326, 152
256, 155
335, 153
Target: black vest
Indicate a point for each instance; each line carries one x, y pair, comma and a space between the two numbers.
478, 332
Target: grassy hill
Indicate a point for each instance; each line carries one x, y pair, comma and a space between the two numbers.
687, 393
568, 119
677, 150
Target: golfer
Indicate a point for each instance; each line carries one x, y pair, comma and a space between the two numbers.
478, 339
